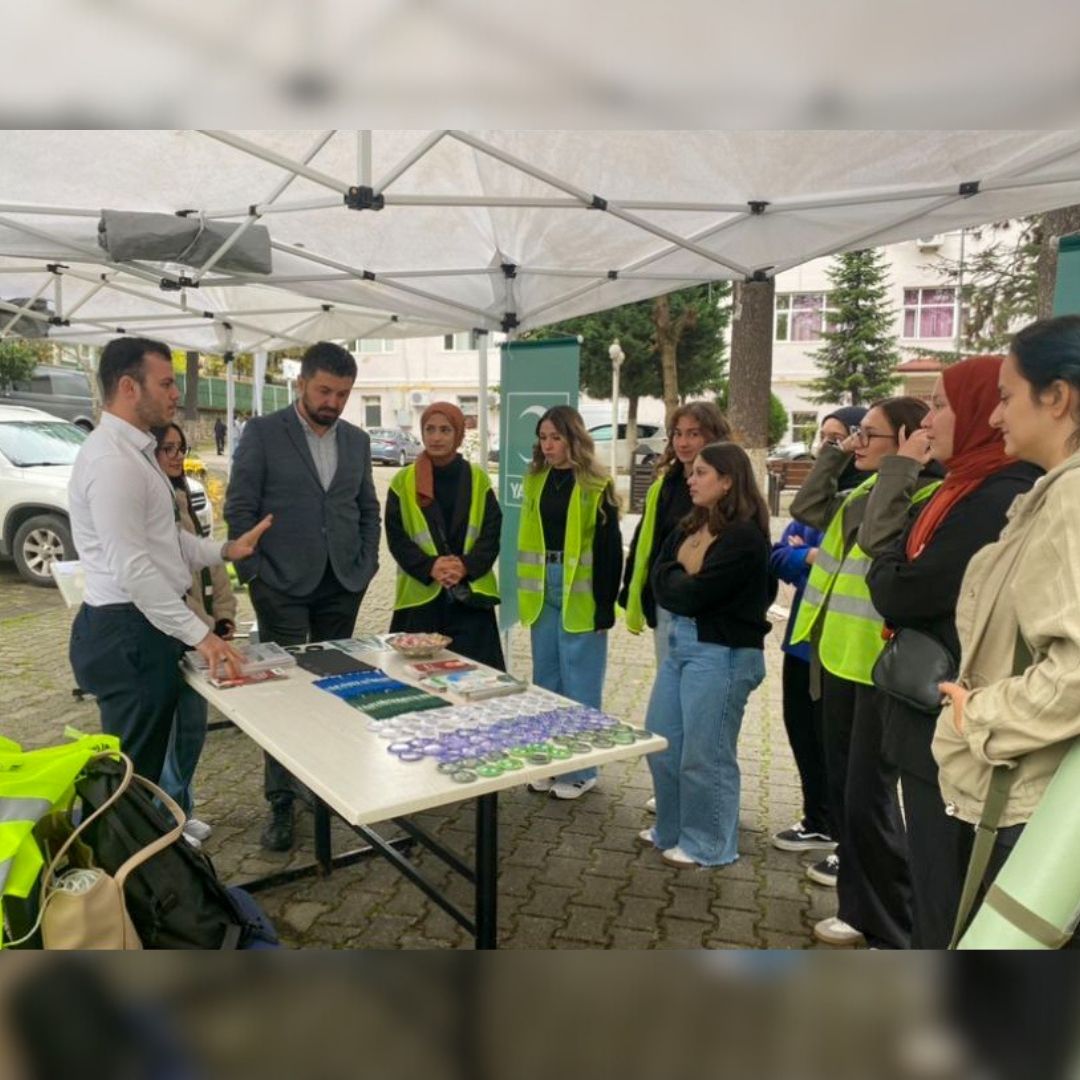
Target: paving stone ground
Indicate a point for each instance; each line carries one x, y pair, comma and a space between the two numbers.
572, 874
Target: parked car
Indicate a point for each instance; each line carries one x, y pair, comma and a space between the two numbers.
795, 451
37, 452
649, 436
59, 391
389, 446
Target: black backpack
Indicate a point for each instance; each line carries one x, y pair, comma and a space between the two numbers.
175, 899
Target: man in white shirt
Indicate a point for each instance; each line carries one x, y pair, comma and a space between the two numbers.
133, 626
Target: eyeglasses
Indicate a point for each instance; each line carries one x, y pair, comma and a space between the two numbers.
862, 438
172, 450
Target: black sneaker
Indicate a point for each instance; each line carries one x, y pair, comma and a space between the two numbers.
799, 838
278, 834
825, 872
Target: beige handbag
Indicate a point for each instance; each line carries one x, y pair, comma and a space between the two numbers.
84, 907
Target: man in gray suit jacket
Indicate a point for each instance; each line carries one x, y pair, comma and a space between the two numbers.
312, 471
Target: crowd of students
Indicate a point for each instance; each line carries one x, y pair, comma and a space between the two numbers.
958, 520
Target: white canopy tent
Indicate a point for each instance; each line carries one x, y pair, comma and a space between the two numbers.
405, 233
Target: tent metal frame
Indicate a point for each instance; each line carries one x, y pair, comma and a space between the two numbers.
437, 310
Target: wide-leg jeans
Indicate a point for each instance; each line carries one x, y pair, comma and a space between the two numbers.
697, 704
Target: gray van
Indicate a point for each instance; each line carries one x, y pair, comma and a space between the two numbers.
61, 391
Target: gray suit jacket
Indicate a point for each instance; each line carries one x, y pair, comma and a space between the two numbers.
273, 472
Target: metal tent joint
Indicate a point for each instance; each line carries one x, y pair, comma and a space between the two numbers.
613, 275
757, 206
969, 188
363, 197
759, 276
55, 320
509, 270
176, 284
55, 268
598, 203
509, 321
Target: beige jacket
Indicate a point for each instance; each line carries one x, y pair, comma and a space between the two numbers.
1028, 581
222, 599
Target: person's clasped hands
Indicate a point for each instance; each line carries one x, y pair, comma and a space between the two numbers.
448, 571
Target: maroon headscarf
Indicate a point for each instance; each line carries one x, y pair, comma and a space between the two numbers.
425, 472
978, 449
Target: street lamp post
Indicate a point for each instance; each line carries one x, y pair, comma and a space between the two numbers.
617, 357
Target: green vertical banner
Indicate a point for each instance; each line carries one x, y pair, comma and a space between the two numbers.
534, 376
1067, 289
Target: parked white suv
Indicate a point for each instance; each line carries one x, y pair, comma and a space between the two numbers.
36, 454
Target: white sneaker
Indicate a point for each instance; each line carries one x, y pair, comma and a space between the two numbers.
573, 790
836, 932
542, 786
647, 836
197, 829
675, 856
650, 805
825, 872
189, 839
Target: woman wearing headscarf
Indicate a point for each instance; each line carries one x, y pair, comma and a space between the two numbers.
840, 621
443, 524
915, 582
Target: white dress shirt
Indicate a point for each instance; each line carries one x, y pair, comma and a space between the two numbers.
123, 522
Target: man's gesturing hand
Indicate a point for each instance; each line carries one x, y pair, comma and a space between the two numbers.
244, 546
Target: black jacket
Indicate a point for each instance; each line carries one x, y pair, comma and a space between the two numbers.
672, 506
418, 563
730, 594
922, 594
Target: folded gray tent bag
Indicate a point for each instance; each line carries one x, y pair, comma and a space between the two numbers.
127, 235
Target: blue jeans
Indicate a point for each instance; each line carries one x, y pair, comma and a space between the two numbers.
660, 634
569, 664
697, 704
185, 745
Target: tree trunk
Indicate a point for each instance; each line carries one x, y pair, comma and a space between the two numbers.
191, 387
669, 331
1055, 225
750, 370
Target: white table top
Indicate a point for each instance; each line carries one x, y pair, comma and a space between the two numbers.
324, 742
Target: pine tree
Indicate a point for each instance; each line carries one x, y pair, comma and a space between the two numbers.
859, 358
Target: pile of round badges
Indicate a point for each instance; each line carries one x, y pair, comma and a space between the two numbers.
489, 738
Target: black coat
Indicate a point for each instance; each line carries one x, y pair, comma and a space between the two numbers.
474, 631
673, 504
922, 594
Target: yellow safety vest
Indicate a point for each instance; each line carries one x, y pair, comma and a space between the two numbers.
35, 783
837, 592
410, 592
635, 613
578, 604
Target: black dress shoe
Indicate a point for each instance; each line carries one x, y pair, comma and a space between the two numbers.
278, 834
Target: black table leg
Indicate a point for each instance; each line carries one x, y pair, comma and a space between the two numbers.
487, 870
323, 854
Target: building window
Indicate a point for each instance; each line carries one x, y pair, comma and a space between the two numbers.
375, 345
464, 342
804, 427
801, 316
469, 404
930, 313
372, 412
